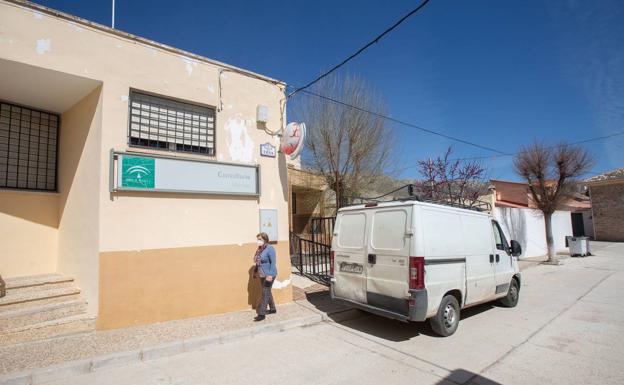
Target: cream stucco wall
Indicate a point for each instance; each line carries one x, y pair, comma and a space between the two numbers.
28, 228
78, 185
153, 224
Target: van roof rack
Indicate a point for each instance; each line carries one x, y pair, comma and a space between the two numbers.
475, 205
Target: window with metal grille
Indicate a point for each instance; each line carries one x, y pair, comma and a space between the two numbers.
158, 122
28, 147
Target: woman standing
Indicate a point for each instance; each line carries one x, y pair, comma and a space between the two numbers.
266, 270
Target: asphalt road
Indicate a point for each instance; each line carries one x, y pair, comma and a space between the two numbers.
567, 329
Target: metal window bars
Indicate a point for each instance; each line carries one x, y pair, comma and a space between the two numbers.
28, 148
168, 124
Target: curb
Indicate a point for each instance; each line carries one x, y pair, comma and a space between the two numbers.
89, 365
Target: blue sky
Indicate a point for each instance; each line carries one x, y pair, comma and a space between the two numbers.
499, 73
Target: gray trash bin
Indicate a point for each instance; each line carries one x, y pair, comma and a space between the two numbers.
579, 246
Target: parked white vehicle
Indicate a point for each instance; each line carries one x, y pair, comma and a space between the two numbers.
413, 261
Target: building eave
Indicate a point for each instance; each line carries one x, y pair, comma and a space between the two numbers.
128, 36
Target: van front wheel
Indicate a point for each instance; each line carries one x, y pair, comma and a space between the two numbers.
446, 321
511, 299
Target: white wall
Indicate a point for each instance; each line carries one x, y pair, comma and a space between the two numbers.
527, 227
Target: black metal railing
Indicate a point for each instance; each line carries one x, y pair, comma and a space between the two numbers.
310, 258
322, 229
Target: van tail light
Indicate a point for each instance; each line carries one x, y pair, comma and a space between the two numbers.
417, 272
331, 263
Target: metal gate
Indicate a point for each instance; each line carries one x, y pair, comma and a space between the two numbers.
322, 229
310, 258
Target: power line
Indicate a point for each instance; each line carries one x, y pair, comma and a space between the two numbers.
359, 51
593, 139
389, 118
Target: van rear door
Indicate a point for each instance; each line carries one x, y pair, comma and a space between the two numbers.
349, 247
387, 268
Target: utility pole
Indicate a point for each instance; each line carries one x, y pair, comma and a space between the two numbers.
113, 18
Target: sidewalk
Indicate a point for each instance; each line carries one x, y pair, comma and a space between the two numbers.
41, 361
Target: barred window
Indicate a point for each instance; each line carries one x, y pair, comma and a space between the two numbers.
28, 148
158, 122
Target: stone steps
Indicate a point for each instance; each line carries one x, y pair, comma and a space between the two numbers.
14, 319
41, 307
26, 299
37, 281
49, 329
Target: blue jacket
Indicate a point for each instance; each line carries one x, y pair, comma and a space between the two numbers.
268, 261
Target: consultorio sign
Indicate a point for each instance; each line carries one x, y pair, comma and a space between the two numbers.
137, 172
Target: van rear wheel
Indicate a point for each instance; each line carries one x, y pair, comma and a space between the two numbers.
446, 321
513, 294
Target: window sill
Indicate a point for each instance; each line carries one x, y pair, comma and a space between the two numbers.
174, 154
4, 190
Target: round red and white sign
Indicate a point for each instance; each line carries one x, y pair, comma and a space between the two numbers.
292, 139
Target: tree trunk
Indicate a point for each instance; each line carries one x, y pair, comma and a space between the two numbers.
550, 242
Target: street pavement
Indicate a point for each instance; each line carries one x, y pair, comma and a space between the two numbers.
567, 329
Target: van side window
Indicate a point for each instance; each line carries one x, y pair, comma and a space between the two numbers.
499, 237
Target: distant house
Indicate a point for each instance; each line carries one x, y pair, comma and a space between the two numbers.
310, 198
606, 192
520, 219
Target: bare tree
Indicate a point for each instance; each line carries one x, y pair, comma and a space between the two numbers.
551, 173
453, 180
348, 146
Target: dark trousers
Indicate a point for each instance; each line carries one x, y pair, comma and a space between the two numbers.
267, 296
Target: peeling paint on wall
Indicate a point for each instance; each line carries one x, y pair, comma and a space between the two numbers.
211, 89
38, 15
124, 98
240, 144
43, 46
74, 26
190, 64
281, 284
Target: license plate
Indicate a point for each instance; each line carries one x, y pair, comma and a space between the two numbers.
354, 268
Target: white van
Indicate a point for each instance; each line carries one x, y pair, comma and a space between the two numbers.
413, 260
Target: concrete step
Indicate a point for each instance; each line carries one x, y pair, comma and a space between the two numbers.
37, 282
49, 329
18, 318
19, 299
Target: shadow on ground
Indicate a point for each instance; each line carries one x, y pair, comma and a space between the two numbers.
378, 326
461, 376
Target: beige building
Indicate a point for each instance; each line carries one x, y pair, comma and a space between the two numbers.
135, 168
310, 198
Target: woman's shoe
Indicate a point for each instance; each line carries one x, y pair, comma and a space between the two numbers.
259, 318
272, 311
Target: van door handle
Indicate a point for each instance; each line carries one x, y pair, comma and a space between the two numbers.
497, 258
491, 258
372, 258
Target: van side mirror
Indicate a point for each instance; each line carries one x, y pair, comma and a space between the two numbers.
516, 249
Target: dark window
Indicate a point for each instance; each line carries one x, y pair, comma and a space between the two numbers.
167, 124
499, 237
293, 203
28, 144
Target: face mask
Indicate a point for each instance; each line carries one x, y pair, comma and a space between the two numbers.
260, 242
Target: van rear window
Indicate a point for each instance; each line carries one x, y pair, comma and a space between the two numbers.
351, 230
389, 229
